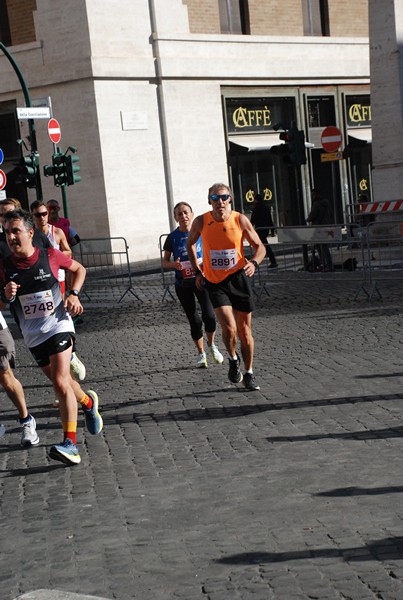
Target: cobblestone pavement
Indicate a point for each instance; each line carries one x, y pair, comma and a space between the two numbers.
198, 490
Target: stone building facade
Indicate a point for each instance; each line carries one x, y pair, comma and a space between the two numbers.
147, 91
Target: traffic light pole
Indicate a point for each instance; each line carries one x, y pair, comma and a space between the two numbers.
64, 199
31, 123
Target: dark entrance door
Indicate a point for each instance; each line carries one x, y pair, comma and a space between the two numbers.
267, 174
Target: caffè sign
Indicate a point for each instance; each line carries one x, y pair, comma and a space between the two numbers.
248, 115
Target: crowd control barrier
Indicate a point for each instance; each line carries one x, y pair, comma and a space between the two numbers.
361, 255
168, 275
108, 268
383, 242
315, 253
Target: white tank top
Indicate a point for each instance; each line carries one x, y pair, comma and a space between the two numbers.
61, 274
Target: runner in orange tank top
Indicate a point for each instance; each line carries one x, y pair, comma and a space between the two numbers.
226, 275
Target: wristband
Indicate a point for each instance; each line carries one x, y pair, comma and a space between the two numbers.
254, 263
197, 272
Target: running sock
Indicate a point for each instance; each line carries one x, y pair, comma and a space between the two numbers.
69, 430
86, 402
249, 371
25, 419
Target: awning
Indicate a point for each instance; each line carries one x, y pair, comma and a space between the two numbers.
256, 143
253, 143
364, 134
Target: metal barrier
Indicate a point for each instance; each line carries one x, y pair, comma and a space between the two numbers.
361, 255
384, 251
301, 253
108, 267
168, 276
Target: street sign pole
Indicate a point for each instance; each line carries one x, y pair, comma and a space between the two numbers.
31, 123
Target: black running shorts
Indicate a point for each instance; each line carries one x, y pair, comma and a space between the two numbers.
53, 345
235, 291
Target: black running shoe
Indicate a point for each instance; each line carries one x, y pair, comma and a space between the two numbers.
250, 382
234, 373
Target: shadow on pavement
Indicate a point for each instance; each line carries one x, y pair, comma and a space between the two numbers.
30, 470
223, 412
370, 434
387, 548
356, 491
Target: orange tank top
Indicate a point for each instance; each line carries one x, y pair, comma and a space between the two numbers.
222, 247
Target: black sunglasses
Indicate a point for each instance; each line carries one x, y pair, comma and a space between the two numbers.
215, 197
42, 214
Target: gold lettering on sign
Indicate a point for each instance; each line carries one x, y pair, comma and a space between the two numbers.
359, 113
250, 196
267, 194
241, 117
363, 184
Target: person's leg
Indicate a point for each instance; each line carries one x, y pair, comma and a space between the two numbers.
225, 316
186, 296
209, 320
327, 258
87, 400
244, 325
271, 255
244, 329
14, 391
58, 371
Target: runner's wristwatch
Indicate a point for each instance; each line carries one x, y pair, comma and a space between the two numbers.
254, 263
73, 293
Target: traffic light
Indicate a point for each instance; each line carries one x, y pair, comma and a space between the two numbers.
293, 148
72, 168
29, 167
298, 154
57, 170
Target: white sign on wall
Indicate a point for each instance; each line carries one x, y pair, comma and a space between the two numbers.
134, 120
33, 112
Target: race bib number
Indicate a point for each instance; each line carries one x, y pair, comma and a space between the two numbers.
223, 259
38, 305
187, 270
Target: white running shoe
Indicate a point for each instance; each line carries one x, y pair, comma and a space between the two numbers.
216, 354
201, 361
29, 437
77, 369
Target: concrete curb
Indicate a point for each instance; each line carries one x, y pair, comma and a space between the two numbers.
56, 595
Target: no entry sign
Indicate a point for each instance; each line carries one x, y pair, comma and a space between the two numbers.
331, 139
54, 131
3, 180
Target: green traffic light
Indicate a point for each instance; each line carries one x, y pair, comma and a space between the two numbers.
72, 168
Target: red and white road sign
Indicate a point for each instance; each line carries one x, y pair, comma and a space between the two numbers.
3, 180
54, 131
331, 139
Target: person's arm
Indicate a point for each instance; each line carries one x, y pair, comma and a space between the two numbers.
73, 237
254, 240
166, 261
194, 234
72, 301
63, 243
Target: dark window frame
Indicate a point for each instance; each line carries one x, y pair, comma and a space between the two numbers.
5, 34
316, 17
234, 17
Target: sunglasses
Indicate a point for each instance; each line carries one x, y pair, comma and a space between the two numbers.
42, 214
215, 197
